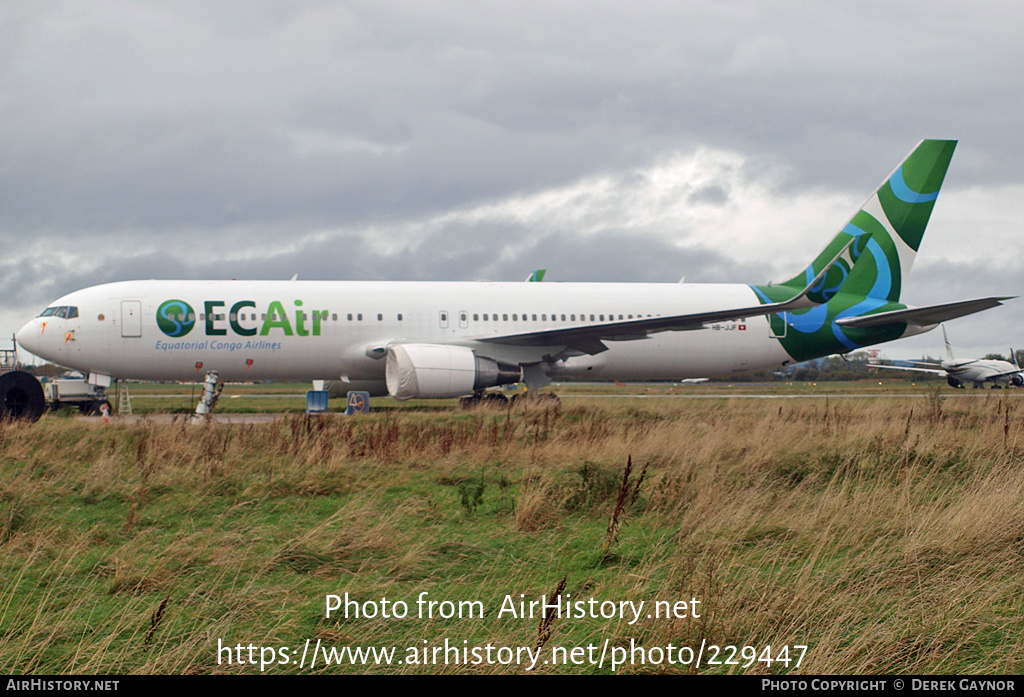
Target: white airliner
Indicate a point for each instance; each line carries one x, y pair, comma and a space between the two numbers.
436, 340
961, 371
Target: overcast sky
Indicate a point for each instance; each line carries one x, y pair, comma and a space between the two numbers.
604, 141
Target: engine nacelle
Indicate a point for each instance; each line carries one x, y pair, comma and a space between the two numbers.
953, 382
1017, 380
436, 371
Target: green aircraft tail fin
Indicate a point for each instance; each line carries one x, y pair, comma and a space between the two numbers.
889, 226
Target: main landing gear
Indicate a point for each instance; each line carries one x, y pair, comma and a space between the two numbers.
540, 399
480, 399
523, 399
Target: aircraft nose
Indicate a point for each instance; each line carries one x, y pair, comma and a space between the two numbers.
28, 336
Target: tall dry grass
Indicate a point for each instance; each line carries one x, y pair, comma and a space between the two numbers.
886, 535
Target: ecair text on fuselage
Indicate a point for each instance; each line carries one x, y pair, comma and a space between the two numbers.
177, 319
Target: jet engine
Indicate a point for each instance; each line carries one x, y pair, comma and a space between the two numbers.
953, 382
433, 371
1017, 381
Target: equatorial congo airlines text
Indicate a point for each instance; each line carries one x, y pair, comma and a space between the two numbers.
217, 345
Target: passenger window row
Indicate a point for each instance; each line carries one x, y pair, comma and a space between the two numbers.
71, 312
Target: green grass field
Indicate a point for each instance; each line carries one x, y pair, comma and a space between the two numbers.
884, 535
149, 398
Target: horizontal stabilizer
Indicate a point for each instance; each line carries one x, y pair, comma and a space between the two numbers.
933, 371
1004, 374
924, 316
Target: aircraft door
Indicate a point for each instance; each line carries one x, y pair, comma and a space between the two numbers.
442, 319
777, 325
131, 318
463, 319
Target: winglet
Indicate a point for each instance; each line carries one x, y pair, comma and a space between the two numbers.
808, 297
804, 299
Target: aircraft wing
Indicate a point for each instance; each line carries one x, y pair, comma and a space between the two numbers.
1004, 374
924, 316
589, 338
933, 371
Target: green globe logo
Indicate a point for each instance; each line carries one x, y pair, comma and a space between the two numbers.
175, 318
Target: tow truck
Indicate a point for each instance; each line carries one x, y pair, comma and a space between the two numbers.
73, 389
24, 396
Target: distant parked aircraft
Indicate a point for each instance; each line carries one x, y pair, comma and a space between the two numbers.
960, 371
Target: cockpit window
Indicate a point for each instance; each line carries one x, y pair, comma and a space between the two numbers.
62, 311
